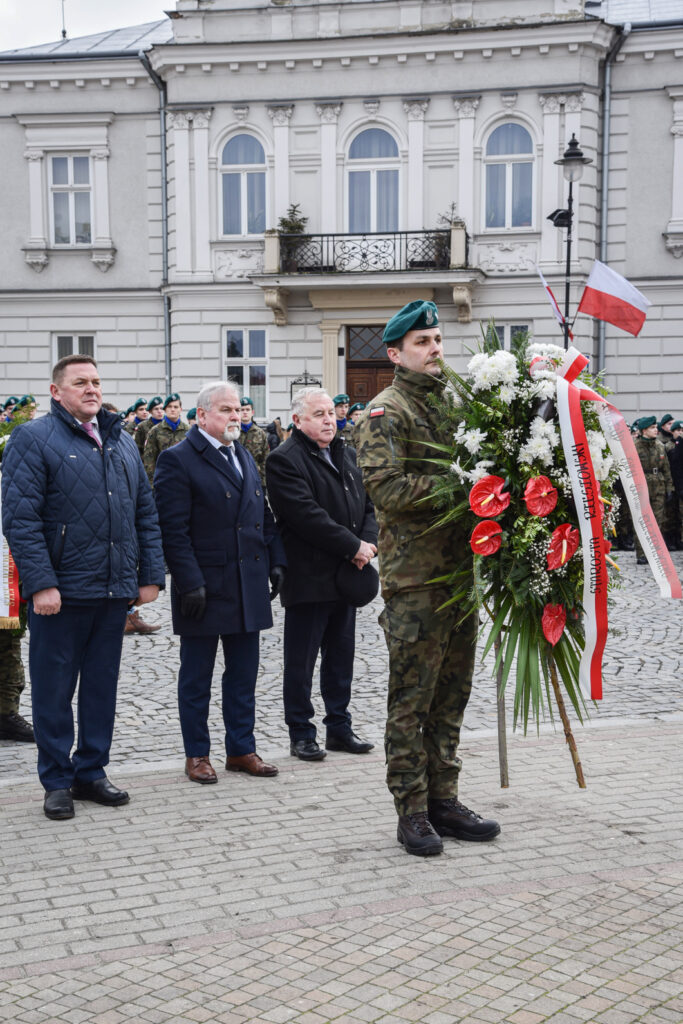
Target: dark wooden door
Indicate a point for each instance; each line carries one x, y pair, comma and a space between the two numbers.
368, 371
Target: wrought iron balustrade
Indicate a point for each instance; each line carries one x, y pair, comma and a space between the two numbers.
373, 252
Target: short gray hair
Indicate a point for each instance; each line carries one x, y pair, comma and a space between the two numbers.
205, 396
300, 398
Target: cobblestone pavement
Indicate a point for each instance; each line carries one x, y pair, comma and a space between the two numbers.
288, 899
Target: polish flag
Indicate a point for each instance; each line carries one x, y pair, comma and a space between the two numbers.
553, 302
609, 296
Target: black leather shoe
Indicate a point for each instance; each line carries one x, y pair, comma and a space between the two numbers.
453, 819
14, 727
416, 833
100, 791
306, 750
351, 743
58, 804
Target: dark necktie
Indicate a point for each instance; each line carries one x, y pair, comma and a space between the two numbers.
231, 456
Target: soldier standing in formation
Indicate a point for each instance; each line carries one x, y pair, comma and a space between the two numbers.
140, 414
344, 426
254, 439
431, 652
156, 415
166, 432
655, 463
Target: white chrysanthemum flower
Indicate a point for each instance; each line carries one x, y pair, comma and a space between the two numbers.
545, 429
474, 439
459, 434
507, 393
457, 469
545, 351
544, 387
480, 470
536, 449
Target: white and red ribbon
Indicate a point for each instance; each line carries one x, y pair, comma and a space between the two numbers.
9, 588
586, 495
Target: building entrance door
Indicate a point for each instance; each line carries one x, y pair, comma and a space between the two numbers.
368, 371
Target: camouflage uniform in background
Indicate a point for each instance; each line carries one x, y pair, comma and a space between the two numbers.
255, 440
655, 463
431, 658
131, 427
12, 677
143, 430
159, 438
347, 433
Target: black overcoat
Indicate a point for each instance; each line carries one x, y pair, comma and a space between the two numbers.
323, 514
218, 532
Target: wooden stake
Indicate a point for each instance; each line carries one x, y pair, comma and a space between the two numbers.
502, 724
569, 736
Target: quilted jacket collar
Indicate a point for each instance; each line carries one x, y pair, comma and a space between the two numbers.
108, 422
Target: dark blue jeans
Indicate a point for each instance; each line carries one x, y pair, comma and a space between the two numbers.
82, 640
328, 628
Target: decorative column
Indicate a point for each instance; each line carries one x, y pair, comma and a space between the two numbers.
329, 115
673, 235
330, 333
179, 122
202, 190
415, 109
35, 252
551, 176
465, 111
280, 117
103, 247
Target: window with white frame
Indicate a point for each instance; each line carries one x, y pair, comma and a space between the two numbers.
73, 344
70, 200
507, 333
247, 365
509, 170
373, 183
243, 178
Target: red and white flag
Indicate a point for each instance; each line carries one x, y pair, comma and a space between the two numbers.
553, 302
609, 296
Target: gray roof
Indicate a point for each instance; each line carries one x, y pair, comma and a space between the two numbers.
133, 38
618, 12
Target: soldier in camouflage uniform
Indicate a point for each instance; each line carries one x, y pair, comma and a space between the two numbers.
169, 431
155, 408
655, 465
139, 407
345, 428
254, 439
431, 653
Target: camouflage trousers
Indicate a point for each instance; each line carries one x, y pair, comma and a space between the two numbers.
431, 661
12, 678
660, 507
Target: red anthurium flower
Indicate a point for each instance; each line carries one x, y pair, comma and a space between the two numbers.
486, 538
486, 499
540, 496
553, 622
564, 543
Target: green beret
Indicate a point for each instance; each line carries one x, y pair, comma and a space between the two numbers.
341, 399
175, 397
646, 421
412, 317
290, 427
677, 424
24, 400
665, 419
246, 401
12, 400
192, 414
154, 402
357, 407
136, 405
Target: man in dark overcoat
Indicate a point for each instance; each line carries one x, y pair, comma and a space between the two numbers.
222, 548
327, 521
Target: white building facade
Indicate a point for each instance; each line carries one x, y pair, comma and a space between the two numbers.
146, 172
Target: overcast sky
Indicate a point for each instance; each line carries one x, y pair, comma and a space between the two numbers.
30, 22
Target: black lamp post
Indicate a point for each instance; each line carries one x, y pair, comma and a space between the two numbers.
572, 164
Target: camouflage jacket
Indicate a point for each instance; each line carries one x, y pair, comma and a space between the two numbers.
347, 433
143, 430
159, 438
393, 435
655, 463
255, 440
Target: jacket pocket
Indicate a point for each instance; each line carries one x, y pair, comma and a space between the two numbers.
405, 627
58, 546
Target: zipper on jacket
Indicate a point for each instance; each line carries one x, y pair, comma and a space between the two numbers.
61, 537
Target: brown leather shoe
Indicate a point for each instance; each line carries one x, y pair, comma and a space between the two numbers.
198, 769
134, 624
251, 764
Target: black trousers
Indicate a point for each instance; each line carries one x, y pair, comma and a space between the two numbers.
329, 629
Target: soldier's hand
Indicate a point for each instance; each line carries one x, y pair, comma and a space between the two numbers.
47, 602
193, 603
277, 578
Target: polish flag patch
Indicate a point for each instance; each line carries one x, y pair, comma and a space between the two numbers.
379, 411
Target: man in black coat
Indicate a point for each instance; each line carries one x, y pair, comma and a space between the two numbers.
222, 548
326, 521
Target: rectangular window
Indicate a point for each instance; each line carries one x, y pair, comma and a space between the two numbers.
247, 365
71, 200
72, 344
508, 332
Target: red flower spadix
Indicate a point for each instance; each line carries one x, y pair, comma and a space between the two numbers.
486, 538
553, 622
486, 499
564, 543
540, 496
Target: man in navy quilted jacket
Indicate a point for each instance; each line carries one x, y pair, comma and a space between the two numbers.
79, 517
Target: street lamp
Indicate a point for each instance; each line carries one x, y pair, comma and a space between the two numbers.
572, 164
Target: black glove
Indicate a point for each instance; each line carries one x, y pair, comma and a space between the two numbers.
277, 578
193, 604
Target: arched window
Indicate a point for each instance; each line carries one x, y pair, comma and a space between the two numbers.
373, 182
509, 177
243, 174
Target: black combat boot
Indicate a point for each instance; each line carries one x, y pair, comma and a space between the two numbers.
416, 834
451, 818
